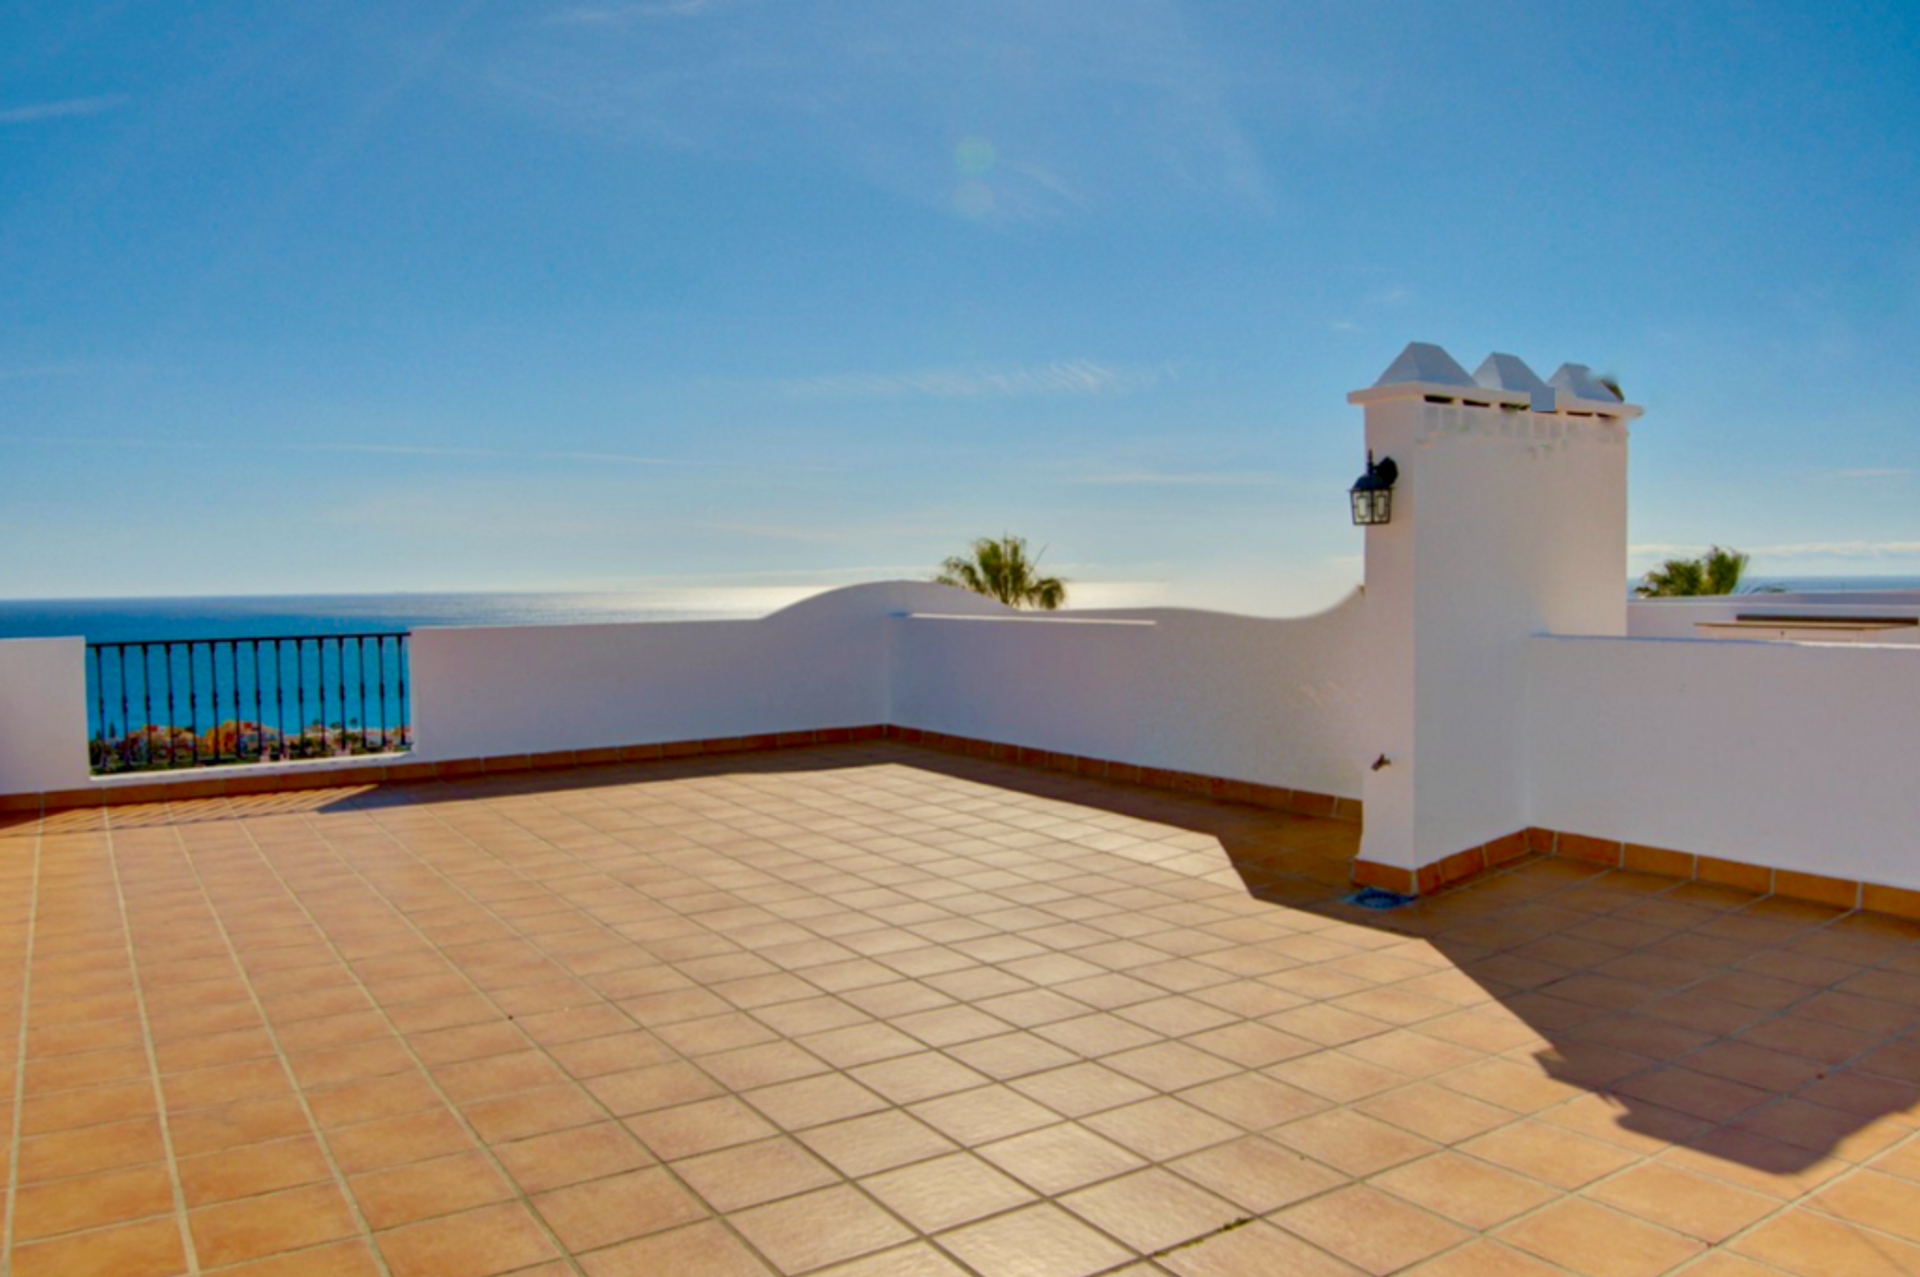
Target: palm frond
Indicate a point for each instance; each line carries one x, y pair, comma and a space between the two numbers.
1718, 571
1000, 568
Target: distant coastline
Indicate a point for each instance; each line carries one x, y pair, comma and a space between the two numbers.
1829, 584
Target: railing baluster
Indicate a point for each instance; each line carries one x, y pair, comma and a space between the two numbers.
340, 676
126, 713
259, 712
400, 671
380, 649
320, 693
259, 705
233, 660
166, 663
99, 750
320, 690
146, 691
193, 706
300, 689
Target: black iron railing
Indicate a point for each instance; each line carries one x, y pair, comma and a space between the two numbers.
200, 702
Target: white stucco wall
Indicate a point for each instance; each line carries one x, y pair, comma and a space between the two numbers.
1276, 702
486, 691
43, 715
1795, 756
1271, 701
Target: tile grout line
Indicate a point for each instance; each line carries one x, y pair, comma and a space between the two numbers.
917, 1234
153, 1058
722, 1218
1558, 1194
1519, 1117
888, 1103
1527, 1114
482, 1145
15, 1136
692, 1061
1580, 1192
1764, 1011
280, 1052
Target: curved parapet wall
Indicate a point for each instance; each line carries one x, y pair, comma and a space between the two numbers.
822, 662
1237, 698
1271, 702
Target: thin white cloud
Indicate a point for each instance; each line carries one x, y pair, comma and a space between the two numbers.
899, 530
1174, 479
821, 577
66, 108
401, 450
603, 15
1075, 377
1840, 550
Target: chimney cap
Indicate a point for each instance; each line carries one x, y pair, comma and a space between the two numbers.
1424, 362
1507, 372
1510, 372
1577, 381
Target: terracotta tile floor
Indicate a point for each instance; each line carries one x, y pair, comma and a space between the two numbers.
876, 1011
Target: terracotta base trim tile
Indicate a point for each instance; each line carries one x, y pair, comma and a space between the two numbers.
1370, 873
1662, 862
1302, 802
233, 781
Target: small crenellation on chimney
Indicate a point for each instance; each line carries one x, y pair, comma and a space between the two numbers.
1501, 381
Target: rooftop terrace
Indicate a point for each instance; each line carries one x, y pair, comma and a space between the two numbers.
876, 1010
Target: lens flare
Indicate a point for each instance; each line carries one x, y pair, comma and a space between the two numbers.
973, 156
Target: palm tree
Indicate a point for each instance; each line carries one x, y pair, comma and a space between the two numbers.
1000, 569
1718, 571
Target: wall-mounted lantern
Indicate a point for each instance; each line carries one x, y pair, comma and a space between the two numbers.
1372, 493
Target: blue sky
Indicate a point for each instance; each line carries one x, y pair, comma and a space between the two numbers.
590, 294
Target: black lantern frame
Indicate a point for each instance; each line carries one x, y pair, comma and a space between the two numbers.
1372, 493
